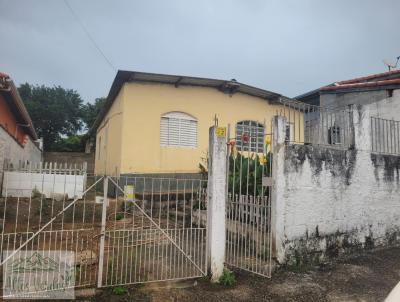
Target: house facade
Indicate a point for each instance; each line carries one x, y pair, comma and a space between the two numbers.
382, 90
18, 138
154, 123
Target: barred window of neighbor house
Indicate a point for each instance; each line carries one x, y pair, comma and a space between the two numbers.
178, 129
250, 136
334, 135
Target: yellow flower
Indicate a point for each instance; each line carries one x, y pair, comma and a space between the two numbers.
262, 160
234, 152
268, 140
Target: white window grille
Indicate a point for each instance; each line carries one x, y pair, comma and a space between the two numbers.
250, 136
178, 129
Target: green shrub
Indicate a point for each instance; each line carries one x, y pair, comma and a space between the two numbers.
227, 278
119, 216
118, 290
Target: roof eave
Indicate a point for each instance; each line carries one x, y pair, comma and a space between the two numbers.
13, 93
124, 76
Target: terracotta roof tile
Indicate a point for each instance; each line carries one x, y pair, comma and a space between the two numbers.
370, 77
347, 85
4, 75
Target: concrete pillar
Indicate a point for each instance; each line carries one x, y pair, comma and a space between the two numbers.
278, 189
216, 201
103, 232
362, 128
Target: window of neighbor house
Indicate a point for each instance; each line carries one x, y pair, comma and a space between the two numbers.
334, 135
178, 129
250, 136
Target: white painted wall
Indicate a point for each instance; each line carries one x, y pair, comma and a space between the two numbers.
21, 184
330, 200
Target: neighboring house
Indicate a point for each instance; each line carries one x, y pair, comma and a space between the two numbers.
364, 90
18, 138
154, 123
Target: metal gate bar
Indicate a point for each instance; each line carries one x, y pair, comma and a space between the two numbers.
248, 205
158, 235
50, 209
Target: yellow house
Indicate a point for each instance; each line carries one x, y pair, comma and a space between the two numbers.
155, 123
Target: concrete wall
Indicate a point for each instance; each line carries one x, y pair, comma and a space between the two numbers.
382, 105
328, 202
71, 158
138, 139
14, 153
52, 185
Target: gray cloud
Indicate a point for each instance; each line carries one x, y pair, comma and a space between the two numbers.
288, 47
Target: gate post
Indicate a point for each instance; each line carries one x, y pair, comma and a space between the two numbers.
103, 231
277, 206
216, 201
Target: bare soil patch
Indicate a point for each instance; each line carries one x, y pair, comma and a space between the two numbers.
369, 276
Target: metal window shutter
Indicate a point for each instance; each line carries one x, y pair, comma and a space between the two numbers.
164, 131
175, 131
188, 133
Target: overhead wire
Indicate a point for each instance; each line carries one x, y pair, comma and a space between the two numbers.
76, 17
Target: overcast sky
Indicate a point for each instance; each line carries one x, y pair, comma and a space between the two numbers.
289, 47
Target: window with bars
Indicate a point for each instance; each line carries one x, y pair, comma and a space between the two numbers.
250, 136
178, 129
334, 135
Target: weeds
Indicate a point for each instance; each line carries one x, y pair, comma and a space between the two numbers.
119, 290
227, 278
119, 216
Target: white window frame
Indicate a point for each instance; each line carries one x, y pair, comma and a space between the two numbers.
178, 130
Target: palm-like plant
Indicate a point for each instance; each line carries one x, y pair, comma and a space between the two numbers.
246, 170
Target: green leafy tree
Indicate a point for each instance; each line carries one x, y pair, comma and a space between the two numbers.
91, 111
73, 143
56, 113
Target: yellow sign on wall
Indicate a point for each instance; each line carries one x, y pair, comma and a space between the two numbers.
129, 193
221, 132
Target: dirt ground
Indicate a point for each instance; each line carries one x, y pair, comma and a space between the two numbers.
369, 276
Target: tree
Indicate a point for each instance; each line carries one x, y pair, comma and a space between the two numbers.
74, 143
91, 111
57, 113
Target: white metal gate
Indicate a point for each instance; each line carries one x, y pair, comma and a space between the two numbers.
248, 205
146, 229
158, 233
